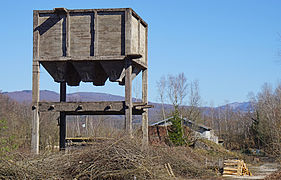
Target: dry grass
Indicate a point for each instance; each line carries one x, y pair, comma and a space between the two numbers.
274, 176
214, 150
111, 159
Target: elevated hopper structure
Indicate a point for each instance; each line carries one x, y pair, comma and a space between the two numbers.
89, 45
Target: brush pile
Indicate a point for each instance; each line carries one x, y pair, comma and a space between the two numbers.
111, 159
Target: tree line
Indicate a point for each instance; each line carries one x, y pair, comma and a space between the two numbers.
256, 128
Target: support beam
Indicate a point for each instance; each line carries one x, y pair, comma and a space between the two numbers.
128, 97
92, 108
62, 117
100, 106
145, 113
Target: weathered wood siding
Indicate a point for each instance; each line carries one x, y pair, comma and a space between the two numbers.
81, 34
52, 35
135, 36
138, 41
143, 43
111, 33
106, 31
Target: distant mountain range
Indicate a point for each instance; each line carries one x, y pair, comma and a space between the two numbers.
154, 113
46, 95
236, 106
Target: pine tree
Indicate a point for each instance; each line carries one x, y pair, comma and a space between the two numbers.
176, 134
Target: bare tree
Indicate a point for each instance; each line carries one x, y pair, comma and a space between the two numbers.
161, 87
268, 128
177, 89
137, 89
194, 101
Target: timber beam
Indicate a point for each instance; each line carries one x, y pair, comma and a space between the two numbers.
134, 57
92, 108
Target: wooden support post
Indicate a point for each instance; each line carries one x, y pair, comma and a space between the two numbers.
35, 87
63, 89
68, 35
35, 107
128, 98
144, 98
145, 113
96, 46
62, 116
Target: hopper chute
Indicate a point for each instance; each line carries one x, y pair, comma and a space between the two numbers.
73, 72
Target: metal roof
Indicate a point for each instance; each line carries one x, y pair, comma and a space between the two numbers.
164, 121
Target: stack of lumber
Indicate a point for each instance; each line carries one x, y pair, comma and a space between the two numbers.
235, 167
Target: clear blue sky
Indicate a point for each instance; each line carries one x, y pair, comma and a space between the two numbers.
230, 46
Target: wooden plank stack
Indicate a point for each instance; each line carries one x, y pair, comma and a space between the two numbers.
236, 168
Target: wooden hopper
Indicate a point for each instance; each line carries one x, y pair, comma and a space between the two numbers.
89, 45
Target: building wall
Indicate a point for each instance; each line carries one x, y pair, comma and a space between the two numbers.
210, 135
158, 135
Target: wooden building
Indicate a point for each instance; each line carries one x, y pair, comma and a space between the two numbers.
158, 130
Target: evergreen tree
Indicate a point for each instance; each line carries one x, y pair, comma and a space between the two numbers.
176, 134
